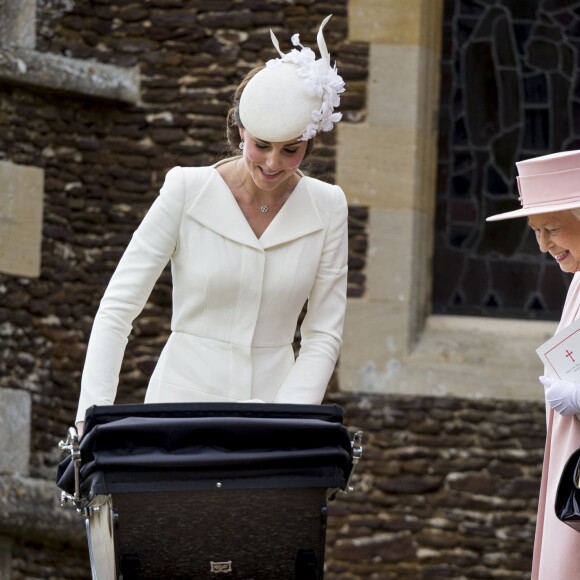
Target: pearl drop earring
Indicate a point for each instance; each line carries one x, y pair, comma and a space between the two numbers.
241, 145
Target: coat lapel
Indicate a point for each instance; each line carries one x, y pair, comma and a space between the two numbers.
216, 209
297, 218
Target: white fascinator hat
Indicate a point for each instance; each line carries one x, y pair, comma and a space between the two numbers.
294, 96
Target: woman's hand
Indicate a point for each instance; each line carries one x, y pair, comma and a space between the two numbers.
562, 396
80, 428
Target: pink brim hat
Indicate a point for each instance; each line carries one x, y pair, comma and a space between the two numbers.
547, 184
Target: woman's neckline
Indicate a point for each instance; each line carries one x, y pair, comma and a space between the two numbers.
301, 177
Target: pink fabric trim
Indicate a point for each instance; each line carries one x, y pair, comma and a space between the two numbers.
557, 546
550, 188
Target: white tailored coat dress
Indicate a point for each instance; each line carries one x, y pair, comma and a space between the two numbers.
236, 298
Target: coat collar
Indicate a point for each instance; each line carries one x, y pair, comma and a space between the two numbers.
216, 208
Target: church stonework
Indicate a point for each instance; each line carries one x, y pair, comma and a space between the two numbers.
21, 200
448, 481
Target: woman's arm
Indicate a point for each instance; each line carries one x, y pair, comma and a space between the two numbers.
146, 256
321, 330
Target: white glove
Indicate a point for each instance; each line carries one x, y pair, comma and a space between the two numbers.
562, 396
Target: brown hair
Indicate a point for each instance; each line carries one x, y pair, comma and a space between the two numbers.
233, 122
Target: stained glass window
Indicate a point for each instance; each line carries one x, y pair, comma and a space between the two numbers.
509, 92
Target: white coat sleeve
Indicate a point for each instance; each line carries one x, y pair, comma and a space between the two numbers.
146, 256
321, 330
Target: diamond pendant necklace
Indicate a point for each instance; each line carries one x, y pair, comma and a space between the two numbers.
264, 208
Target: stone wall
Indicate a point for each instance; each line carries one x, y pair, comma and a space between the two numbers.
447, 488
436, 489
105, 161
39, 559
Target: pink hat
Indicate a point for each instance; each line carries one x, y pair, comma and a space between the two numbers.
546, 184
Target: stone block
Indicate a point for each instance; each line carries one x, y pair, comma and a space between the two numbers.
390, 256
21, 202
452, 356
377, 166
396, 88
70, 75
370, 364
15, 408
398, 261
382, 546
395, 21
475, 357
30, 508
18, 23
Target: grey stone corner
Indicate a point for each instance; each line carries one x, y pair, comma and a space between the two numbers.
15, 410
69, 75
20, 63
30, 508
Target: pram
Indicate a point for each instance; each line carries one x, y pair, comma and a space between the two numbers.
206, 490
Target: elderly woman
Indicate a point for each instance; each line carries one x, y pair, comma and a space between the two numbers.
550, 196
250, 239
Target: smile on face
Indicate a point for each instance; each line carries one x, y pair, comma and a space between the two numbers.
271, 164
558, 233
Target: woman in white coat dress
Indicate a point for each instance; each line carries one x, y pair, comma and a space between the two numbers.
251, 240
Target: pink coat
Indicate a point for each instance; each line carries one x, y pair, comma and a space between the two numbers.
557, 545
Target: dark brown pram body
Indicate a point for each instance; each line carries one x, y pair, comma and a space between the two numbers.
207, 490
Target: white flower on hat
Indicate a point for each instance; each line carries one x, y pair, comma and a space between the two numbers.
325, 118
303, 58
311, 130
323, 81
319, 77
